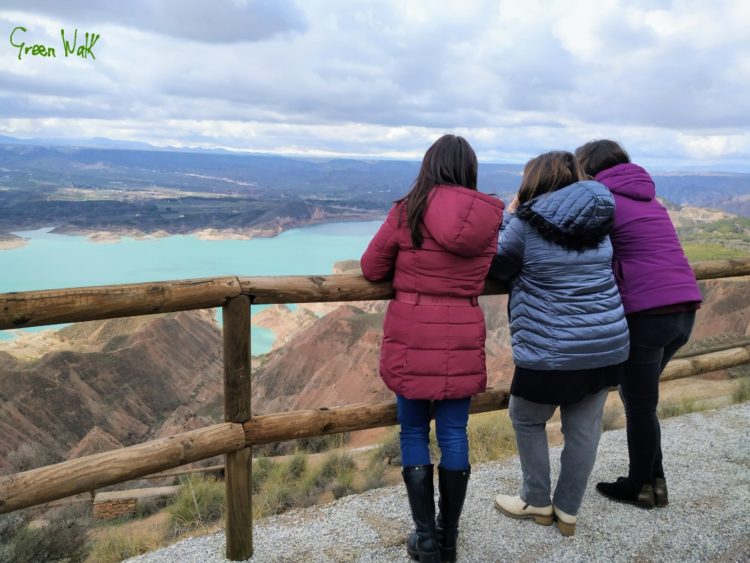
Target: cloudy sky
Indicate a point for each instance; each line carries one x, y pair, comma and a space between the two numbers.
670, 79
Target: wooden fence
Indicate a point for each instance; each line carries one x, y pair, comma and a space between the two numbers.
240, 430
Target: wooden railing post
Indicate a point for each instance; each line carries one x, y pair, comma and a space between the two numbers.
238, 465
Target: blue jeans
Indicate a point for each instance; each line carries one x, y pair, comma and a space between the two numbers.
451, 418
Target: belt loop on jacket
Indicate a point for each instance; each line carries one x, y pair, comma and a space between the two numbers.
475, 301
416, 299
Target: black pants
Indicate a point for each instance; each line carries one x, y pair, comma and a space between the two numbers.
653, 341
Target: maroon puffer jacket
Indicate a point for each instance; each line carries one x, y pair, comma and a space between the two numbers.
433, 350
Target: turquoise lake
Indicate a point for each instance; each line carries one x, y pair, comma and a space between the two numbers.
51, 261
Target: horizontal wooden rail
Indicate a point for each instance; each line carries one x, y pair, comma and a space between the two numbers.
689, 351
46, 307
115, 466
316, 422
68, 478
706, 363
312, 289
38, 308
714, 269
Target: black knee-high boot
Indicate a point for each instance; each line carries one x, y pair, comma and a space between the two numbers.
452, 486
422, 543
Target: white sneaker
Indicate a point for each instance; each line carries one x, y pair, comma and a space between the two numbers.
515, 507
565, 522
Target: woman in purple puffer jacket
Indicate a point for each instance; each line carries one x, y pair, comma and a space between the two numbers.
660, 296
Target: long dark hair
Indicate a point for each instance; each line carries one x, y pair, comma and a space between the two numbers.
549, 172
451, 161
596, 156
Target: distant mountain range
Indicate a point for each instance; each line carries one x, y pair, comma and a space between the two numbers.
106, 143
142, 189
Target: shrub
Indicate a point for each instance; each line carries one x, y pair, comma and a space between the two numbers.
741, 393
374, 476
262, 468
318, 444
336, 464
296, 466
147, 507
280, 486
343, 485
670, 409
30, 456
308, 489
276, 495
64, 538
390, 449
685, 406
199, 503
10, 524
312, 445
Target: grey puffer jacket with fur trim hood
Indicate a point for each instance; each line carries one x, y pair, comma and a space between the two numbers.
565, 310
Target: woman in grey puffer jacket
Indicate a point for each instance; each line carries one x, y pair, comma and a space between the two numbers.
568, 330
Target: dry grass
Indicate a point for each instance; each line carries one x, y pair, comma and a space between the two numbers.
613, 417
307, 480
199, 504
490, 434
491, 437
115, 543
741, 392
678, 408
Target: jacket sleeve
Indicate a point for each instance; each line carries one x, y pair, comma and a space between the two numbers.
510, 250
379, 259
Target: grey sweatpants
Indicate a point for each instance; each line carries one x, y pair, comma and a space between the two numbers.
581, 427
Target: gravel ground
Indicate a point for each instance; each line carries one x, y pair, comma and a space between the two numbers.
708, 471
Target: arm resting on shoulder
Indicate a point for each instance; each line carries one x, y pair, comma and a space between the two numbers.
379, 259
510, 250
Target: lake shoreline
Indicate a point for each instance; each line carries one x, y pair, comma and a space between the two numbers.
78, 261
12, 244
210, 233
108, 236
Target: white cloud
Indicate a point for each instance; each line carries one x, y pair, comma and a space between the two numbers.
668, 78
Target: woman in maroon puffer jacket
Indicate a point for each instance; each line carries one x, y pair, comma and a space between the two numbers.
437, 243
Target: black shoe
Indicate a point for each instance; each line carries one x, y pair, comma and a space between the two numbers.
452, 486
422, 544
624, 490
661, 495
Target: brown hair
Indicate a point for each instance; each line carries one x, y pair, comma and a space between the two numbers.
596, 156
549, 172
450, 160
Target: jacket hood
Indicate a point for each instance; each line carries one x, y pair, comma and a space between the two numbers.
461, 220
629, 180
577, 217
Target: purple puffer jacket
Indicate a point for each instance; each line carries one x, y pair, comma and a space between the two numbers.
648, 262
